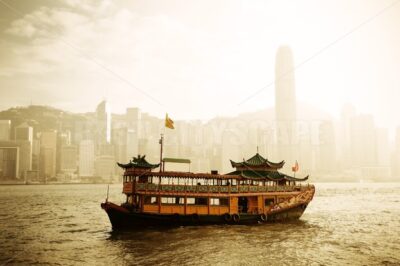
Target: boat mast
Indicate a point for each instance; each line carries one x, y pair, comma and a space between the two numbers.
161, 150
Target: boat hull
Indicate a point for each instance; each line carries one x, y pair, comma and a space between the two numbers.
122, 218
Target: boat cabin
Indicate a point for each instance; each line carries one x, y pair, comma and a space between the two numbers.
253, 188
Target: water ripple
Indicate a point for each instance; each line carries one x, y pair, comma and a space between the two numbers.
346, 224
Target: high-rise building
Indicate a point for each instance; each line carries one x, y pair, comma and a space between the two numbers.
363, 141
105, 167
86, 158
230, 150
326, 161
9, 160
24, 137
103, 116
69, 159
48, 154
24, 132
63, 140
5, 128
382, 147
132, 134
396, 157
285, 105
347, 114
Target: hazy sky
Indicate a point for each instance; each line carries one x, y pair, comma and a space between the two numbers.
199, 59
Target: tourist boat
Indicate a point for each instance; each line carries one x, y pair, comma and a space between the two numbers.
256, 192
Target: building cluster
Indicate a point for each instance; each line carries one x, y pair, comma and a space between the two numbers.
81, 151
350, 148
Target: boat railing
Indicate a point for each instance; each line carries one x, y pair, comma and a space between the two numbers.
128, 188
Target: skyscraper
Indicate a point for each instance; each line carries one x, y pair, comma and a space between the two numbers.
363, 141
86, 158
69, 160
132, 136
5, 127
48, 152
24, 138
285, 105
103, 115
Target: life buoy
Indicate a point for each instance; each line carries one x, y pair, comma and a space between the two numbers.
236, 218
263, 217
227, 217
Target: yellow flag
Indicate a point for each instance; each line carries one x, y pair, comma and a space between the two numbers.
168, 122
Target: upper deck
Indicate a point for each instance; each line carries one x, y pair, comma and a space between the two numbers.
150, 188
255, 176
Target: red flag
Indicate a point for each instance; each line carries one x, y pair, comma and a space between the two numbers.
295, 168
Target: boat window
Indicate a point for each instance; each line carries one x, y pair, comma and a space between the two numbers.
214, 201
223, 182
168, 200
224, 201
234, 182
180, 200
150, 200
219, 201
269, 202
201, 201
172, 200
190, 201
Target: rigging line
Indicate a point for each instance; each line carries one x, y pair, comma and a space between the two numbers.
323, 49
91, 59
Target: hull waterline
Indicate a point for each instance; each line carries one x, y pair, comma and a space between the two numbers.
121, 218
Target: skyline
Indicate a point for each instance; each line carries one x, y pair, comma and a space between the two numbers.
230, 62
85, 146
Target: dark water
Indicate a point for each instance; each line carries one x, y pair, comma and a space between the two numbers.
346, 224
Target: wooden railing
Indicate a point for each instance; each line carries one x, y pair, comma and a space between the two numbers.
127, 188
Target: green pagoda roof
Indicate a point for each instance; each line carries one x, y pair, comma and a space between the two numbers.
258, 160
138, 162
265, 175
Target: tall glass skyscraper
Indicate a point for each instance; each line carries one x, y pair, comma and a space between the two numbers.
285, 105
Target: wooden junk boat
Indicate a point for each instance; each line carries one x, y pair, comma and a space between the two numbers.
256, 192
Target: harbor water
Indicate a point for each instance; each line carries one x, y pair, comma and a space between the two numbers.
345, 224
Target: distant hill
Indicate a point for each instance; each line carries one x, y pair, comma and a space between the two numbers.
41, 118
